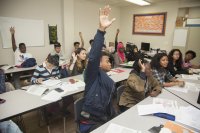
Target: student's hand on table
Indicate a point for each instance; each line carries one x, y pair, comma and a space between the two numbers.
104, 21
181, 83
39, 80
190, 71
154, 93
12, 30
53, 78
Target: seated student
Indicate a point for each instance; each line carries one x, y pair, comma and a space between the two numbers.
97, 107
131, 52
175, 63
91, 43
159, 68
189, 55
78, 62
49, 69
20, 54
4, 86
63, 65
57, 50
139, 85
119, 56
9, 127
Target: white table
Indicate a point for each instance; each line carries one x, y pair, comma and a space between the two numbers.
121, 76
131, 119
190, 97
19, 102
16, 73
16, 70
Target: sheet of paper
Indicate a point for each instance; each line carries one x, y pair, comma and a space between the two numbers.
115, 128
79, 84
52, 96
170, 106
51, 82
177, 88
67, 87
193, 77
189, 116
36, 90
192, 86
150, 109
188, 87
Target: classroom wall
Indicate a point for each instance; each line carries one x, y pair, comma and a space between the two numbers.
47, 10
193, 41
87, 21
163, 42
69, 15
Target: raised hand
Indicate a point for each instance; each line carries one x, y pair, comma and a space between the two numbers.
80, 33
142, 66
104, 21
12, 30
117, 31
74, 56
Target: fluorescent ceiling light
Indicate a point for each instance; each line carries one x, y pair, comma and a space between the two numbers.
139, 2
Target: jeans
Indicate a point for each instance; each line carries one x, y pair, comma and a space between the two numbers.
9, 127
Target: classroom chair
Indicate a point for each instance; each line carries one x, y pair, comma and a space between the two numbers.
120, 89
77, 111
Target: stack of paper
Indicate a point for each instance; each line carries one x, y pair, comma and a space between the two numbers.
170, 106
114, 128
159, 106
37, 90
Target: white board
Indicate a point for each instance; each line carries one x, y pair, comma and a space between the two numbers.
30, 32
180, 37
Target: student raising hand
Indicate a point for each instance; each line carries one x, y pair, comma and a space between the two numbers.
12, 30
142, 66
104, 21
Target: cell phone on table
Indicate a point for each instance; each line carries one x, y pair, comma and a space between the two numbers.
59, 90
2, 101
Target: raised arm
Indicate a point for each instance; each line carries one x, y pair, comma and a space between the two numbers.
12, 31
82, 41
116, 40
95, 52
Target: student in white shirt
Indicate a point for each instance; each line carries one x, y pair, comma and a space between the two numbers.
57, 50
20, 53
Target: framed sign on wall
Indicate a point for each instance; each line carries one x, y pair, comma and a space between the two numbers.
149, 24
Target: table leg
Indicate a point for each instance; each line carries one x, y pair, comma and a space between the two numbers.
16, 79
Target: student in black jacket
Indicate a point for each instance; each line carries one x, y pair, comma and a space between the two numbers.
97, 107
176, 62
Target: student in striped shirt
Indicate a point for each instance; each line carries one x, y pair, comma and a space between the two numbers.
49, 69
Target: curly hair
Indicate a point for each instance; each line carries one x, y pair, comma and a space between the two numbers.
191, 52
155, 62
179, 62
81, 64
